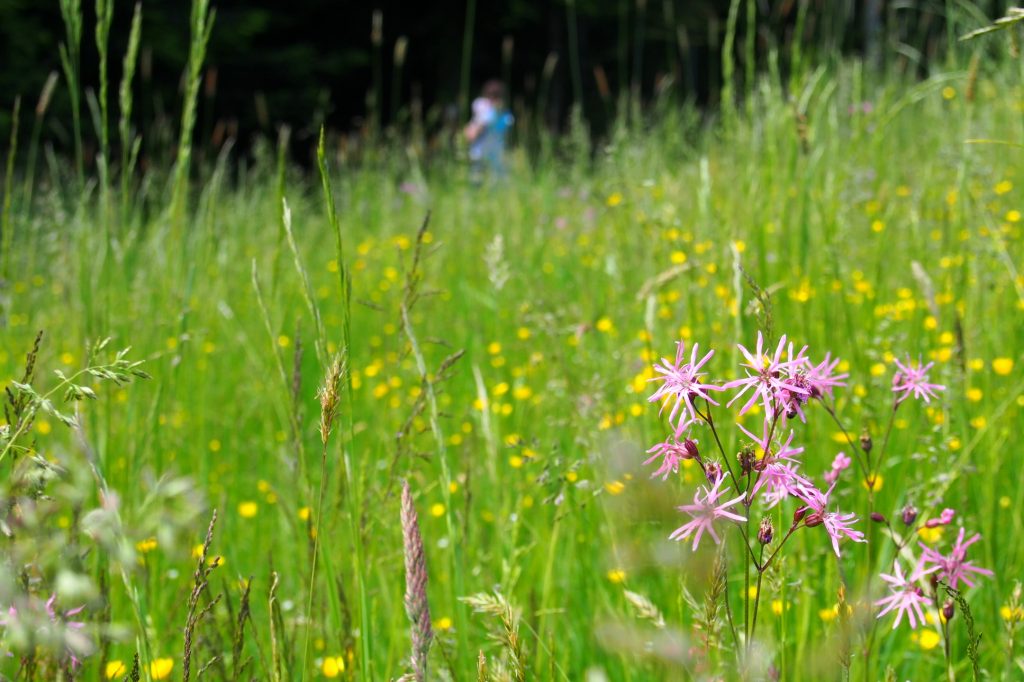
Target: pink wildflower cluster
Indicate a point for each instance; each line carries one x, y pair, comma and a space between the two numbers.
48, 624
783, 381
767, 470
908, 593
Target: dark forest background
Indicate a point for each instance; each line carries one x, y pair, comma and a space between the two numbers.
307, 62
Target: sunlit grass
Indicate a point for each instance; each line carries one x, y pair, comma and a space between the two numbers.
562, 286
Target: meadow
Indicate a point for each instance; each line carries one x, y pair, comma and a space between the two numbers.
493, 348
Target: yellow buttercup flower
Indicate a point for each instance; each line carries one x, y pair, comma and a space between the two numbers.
115, 669
333, 666
1002, 366
160, 669
247, 510
929, 639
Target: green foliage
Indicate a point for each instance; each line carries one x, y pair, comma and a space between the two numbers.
498, 360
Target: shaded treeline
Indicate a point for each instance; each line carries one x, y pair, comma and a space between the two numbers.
367, 67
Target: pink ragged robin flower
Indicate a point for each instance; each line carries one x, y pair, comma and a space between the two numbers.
771, 452
776, 467
943, 519
767, 377
779, 480
912, 379
954, 567
821, 377
704, 512
672, 452
906, 596
840, 464
836, 524
682, 385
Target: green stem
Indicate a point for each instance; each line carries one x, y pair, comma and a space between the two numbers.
317, 530
757, 603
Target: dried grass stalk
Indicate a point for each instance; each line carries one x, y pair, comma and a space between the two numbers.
416, 605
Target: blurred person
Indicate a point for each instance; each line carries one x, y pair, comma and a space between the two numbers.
487, 131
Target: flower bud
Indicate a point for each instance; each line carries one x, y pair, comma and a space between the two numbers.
713, 470
948, 609
746, 459
799, 514
877, 518
865, 441
909, 515
766, 532
813, 520
690, 448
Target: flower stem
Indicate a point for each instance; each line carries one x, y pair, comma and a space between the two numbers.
757, 603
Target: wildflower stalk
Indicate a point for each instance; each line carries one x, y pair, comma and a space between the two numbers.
329, 396
6, 229
104, 19
71, 14
888, 432
45, 97
873, 630
944, 629
757, 603
201, 23
130, 144
201, 581
409, 297
721, 449
853, 446
350, 495
416, 605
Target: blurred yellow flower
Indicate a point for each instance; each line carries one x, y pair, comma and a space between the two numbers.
115, 669
1002, 366
615, 487
616, 575
146, 546
160, 668
247, 510
929, 639
614, 199
333, 666
1012, 614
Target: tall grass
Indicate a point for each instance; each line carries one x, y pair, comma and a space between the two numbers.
497, 360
